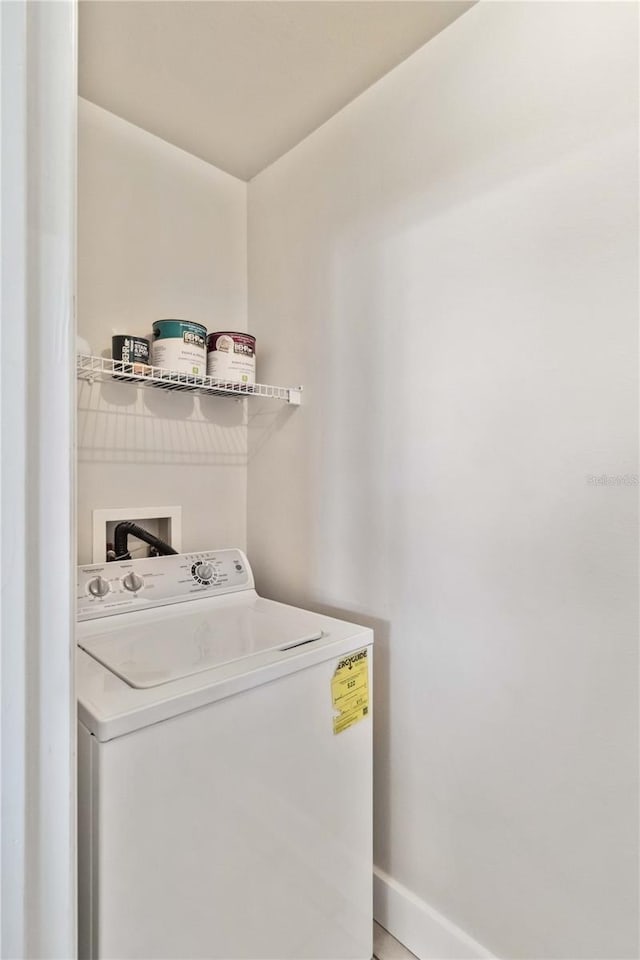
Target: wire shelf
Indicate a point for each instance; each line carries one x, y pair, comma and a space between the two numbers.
94, 369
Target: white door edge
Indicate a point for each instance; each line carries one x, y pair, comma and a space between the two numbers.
38, 74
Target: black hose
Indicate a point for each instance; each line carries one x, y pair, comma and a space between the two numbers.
121, 538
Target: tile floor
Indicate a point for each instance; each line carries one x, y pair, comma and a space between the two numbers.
385, 947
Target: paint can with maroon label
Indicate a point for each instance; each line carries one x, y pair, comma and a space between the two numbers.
231, 357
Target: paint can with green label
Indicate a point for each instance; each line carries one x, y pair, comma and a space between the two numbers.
180, 346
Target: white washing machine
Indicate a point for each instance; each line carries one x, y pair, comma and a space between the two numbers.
224, 768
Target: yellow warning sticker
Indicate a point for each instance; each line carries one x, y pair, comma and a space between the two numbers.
350, 690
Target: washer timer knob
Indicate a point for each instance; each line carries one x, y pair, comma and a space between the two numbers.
204, 571
98, 587
132, 581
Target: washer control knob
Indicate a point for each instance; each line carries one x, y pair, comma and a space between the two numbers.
132, 581
204, 571
98, 587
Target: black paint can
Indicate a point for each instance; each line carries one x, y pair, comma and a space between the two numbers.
132, 351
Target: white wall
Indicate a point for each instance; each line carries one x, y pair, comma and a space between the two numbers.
449, 266
160, 234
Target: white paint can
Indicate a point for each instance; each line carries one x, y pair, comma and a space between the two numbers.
231, 356
180, 346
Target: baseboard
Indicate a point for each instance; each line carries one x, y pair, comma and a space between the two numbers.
418, 926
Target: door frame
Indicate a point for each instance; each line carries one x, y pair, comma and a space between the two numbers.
38, 132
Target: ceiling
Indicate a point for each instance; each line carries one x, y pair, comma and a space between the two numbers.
240, 82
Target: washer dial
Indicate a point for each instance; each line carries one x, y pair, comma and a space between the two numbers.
98, 587
204, 573
132, 581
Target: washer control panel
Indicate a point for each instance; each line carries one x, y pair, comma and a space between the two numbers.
126, 585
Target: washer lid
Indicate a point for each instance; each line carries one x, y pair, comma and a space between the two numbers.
166, 649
